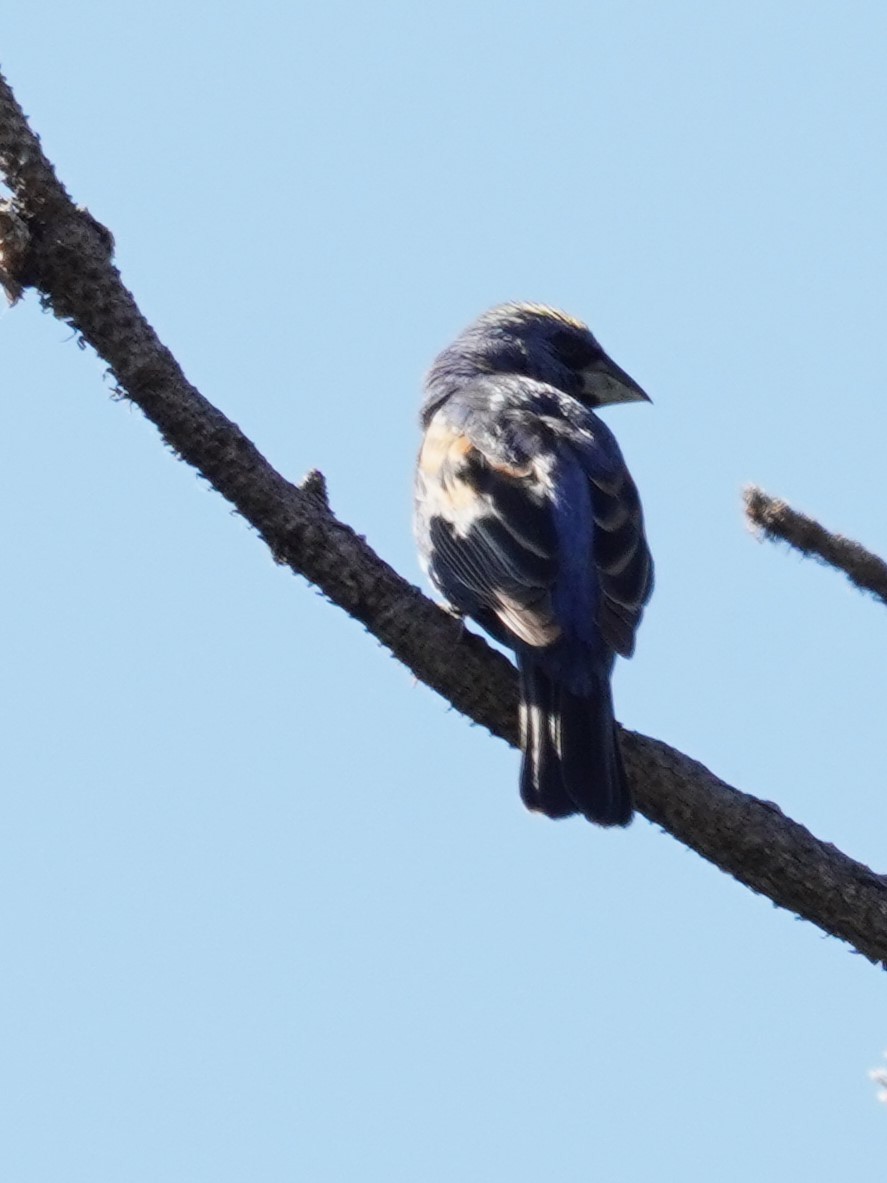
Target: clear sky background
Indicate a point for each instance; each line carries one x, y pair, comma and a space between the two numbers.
269, 910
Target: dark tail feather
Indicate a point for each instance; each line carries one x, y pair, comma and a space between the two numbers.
541, 785
572, 761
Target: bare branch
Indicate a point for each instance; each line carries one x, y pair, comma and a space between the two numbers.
778, 520
69, 262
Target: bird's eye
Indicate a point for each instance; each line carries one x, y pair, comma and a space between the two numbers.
574, 349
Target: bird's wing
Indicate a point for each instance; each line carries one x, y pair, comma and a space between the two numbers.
530, 517
487, 525
620, 552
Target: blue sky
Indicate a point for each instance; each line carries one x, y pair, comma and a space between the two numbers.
270, 910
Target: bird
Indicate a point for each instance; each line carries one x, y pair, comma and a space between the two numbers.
528, 522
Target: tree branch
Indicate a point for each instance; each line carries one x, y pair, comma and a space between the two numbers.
69, 261
778, 520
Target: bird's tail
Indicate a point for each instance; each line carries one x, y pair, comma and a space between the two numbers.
572, 762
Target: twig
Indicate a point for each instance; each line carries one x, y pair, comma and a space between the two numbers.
778, 520
69, 262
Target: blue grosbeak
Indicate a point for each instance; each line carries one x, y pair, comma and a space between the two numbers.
529, 523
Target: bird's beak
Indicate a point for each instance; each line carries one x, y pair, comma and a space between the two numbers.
604, 382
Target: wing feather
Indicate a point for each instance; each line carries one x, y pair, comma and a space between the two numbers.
497, 487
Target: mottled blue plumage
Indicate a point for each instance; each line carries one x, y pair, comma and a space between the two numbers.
529, 522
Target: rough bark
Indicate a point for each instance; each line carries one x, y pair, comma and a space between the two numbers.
777, 520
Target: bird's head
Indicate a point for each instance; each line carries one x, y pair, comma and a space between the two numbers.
541, 343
